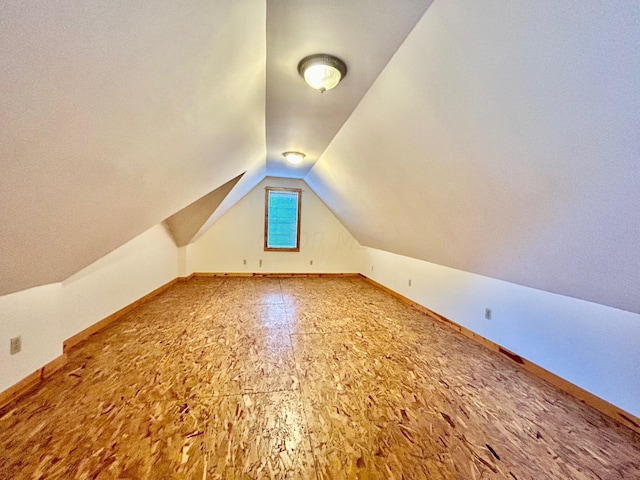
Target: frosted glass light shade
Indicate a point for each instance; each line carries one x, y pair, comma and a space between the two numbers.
322, 71
294, 158
322, 77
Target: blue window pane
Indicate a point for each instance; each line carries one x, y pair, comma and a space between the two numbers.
282, 220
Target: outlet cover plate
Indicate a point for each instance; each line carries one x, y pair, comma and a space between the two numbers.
16, 345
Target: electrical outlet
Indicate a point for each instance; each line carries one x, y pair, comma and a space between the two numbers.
409, 282
260, 263
487, 313
372, 268
244, 262
310, 262
16, 345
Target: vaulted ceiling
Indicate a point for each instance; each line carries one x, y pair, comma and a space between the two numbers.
499, 138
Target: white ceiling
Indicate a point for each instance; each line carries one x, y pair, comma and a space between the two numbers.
363, 33
501, 138
114, 116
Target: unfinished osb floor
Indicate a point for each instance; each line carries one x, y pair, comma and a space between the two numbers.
300, 378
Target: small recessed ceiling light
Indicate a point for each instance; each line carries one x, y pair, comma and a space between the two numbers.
322, 71
294, 158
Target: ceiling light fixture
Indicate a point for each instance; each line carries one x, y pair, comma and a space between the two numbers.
294, 158
322, 71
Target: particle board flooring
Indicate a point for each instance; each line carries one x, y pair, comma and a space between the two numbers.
301, 378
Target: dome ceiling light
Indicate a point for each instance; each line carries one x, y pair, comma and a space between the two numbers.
322, 71
294, 158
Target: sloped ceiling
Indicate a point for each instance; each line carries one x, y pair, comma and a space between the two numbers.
186, 223
503, 139
500, 138
114, 116
363, 33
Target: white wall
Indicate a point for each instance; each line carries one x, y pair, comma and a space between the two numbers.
182, 261
136, 268
239, 235
46, 316
590, 345
34, 315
